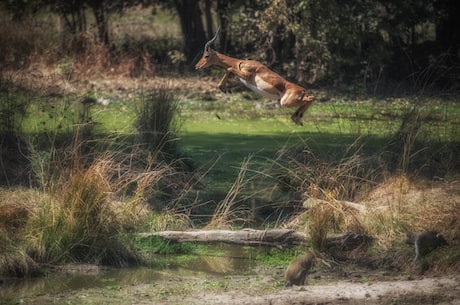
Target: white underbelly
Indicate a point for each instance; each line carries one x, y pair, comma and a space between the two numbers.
260, 91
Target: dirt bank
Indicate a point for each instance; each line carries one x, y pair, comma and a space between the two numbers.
255, 289
423, 291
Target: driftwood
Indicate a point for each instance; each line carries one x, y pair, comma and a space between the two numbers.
279, 238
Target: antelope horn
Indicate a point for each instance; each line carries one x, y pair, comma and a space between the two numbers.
208, 44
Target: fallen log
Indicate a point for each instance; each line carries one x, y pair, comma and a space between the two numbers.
279, 238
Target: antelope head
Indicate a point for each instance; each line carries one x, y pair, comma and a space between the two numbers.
209, 57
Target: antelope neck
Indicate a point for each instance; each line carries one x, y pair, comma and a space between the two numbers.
226, 61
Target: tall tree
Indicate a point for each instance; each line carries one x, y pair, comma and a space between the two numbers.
99, 9
192, 27
73, 12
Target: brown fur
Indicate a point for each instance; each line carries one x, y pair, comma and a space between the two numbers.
258, 78
297, 270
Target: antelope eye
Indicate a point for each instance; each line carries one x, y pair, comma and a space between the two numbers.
206, 56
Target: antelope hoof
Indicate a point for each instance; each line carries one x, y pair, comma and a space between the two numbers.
223, 89
297, 119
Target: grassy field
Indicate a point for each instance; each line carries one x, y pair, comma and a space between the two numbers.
80, 174
221, 133
246, 164
245, 128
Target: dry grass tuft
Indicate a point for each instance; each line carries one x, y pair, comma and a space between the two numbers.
87, 209
326, 217
14, 260
77, 221
168, 220
15, 210
321, 220
228, 211
327, 180
337, 176
399, 205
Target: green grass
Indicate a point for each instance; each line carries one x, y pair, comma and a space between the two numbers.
276, 257
246, 129
59, 115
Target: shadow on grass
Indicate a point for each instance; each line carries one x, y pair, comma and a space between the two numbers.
224, 154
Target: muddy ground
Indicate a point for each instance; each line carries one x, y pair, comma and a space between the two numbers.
351, 288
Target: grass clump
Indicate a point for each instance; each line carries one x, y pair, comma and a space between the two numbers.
78, 223
15, 210
14, 260
89, 212
93, 191
157, 120
400, 204
229, 212
338, 174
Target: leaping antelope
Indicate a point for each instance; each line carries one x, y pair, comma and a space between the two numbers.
259, 79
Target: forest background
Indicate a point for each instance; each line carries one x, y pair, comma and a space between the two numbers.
381, 46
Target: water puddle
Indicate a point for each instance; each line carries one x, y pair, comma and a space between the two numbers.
231, 260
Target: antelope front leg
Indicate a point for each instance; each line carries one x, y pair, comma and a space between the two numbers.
239, 73
246, 75
298, 114
222, 84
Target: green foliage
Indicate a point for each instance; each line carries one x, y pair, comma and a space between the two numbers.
276, 257
367, 44
13, 110
363, 43
159, 245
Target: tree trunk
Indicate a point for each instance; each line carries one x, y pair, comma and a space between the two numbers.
208, 17
101, 20
223, 16
191, 26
